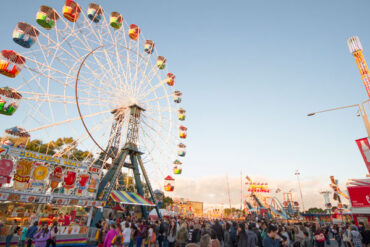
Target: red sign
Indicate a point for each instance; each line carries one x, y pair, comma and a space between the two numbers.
359, 196
364, 146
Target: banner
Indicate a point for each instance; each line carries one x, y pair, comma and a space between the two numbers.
359, 196
40, 174
364, 146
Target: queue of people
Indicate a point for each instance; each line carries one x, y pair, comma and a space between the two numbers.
39, 235
222, 233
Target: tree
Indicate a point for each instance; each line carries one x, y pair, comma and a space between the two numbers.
65, 147
315, 211
167, 201
232, 211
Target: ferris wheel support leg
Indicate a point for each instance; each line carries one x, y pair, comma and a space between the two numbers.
149, 186
111, 176
139, 185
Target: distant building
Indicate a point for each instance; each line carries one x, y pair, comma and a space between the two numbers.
187, 207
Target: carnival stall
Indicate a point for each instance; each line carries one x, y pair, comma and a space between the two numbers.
359, 195
35, 187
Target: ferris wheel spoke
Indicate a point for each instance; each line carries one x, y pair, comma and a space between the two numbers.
117, 55
158, 98
94, 32
77, 56
158, 122
69, 120
86, 45
165, 141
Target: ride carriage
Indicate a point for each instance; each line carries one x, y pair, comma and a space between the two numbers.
177, 96
94, 12
134, 32
161, 62
149, 46
25, 34
181, 114
183, 132
116, 20
15, 137
9, 100
177, 168
169, 184
46, 17
170, 79
71, 10
181, 150
11, 63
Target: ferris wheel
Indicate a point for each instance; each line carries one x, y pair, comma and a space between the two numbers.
78, 73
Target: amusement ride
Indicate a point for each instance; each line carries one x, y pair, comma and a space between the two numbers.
260, 200
91, 75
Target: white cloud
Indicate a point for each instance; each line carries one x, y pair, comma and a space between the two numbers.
212, 190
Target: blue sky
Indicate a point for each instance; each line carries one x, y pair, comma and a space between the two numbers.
250, 71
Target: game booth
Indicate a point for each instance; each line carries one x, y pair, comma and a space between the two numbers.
35, 187
359, 194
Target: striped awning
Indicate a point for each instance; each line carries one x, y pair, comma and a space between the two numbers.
130, 198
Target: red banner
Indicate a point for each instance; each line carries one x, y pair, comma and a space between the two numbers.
359, 196
364, 146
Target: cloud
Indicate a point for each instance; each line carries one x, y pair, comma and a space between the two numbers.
213, 190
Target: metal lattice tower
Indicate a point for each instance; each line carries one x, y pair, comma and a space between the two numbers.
133, 126
130, 151
114, 139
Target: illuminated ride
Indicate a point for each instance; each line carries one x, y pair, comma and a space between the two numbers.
91, 75
337, 192
355, 48
259, 200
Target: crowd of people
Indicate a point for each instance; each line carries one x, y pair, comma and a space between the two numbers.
127, 232
223, 233
40, 235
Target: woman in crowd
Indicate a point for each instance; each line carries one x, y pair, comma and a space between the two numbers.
110, 236
182, 237
171, 234
53, 235
42, 236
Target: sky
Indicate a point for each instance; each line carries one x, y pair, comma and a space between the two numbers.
250, 72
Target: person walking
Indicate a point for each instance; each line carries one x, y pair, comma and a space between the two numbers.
126, 234
195, 237
171, 234
307, 242
9, 235
219, 231
140, 234
110, 236
252, 237
356, 237
23, 236
227, 238
42, 236
182, 237
258, 234
30, 233
270, 238
242, 237
53, 235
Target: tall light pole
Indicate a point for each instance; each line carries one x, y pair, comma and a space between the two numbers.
361, 108
300, 189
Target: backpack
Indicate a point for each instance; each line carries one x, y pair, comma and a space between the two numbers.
320, 237
153, 238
